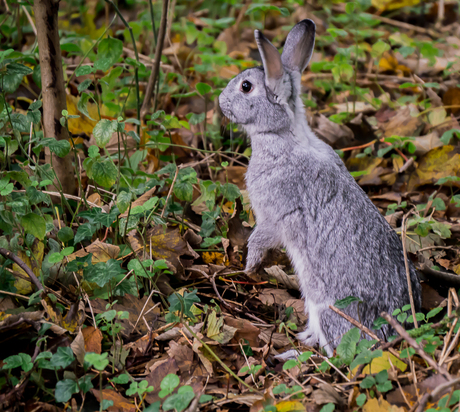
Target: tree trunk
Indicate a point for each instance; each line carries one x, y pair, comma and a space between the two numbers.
54, 99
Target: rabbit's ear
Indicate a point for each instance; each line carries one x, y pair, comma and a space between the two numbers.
271, 58
299, 46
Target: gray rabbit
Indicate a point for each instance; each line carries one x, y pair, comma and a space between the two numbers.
305, 200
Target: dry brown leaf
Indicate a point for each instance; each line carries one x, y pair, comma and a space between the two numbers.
166, 243
425, 143
93, 339
333, 133
120, 403
182, 354
78, 348
244, 330
158, 372
102, 252
405, 123
270, 296
326, 394
452, 98
282, 278
133, 306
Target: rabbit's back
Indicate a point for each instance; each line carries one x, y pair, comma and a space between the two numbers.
339, 243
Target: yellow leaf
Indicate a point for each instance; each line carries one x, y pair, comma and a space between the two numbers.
23, 286
437, 116
381, 405
83, 124
437, 163
290, 406
382, 363
383, 5
214, 258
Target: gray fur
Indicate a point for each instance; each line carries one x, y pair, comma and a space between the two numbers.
305, 200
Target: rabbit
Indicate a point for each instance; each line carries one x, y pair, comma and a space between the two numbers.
306, 201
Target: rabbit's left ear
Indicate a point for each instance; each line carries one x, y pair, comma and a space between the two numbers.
271, 59
299, 45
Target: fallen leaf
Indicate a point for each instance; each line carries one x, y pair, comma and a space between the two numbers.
380, 405
290, 406
182, 354
437, 163
154, 378
406, 122
82, 124
165, 243
120, 403
333, 133
23, 286
270, 296
93, 339
282, 277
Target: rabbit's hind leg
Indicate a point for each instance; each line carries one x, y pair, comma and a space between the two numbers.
313, 334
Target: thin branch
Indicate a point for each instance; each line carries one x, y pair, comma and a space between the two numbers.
156, 67
9, 255
406, 264
437, 391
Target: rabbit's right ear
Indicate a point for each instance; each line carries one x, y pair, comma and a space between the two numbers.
271, 59
299, 45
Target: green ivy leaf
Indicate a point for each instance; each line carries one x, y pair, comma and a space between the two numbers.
84, 85
65, 389
347, 347
368, 382
108, 53
203, 88
123, 201
179, 401
34, 224
104, 173
99, 362
65, 234
291, 363
84, 231
344, 303
84, 70
62, 358
59, 147
168, 384
361, 399
22, 360
103, 131
230, 191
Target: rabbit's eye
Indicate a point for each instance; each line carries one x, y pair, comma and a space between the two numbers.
246, 87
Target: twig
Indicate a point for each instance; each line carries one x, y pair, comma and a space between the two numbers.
30, 19
438, 390
418, 349
57, 194
9, 255
156, 67
406, 264
170, 191
4, 292
355, 323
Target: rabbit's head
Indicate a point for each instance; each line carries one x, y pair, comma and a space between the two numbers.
267, 99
